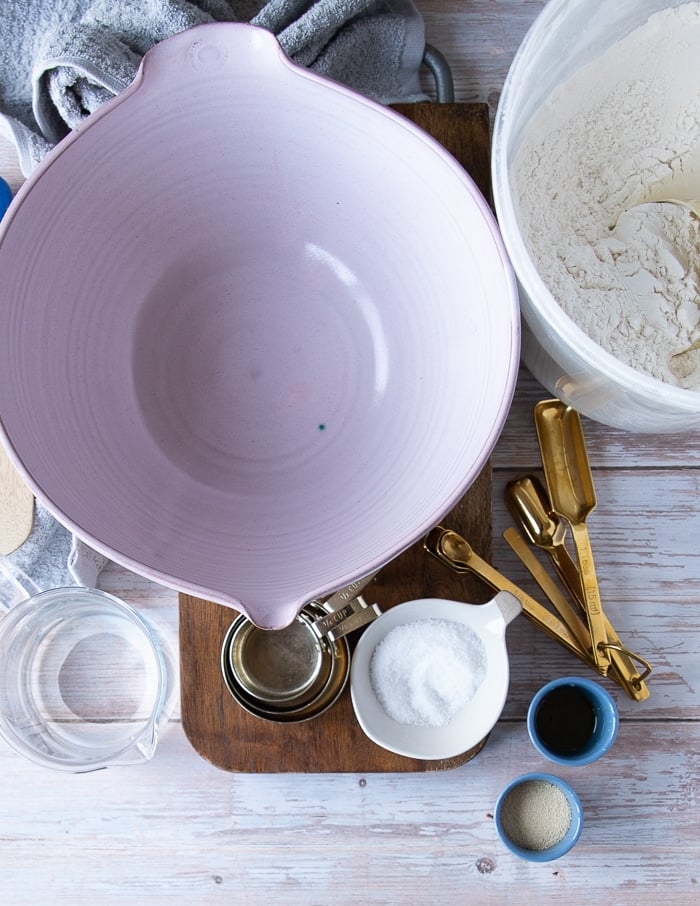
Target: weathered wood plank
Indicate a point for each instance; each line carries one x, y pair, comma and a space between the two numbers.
479, 39
180, 831
608, 447
644, 536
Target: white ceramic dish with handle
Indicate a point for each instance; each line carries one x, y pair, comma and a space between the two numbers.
258, 333
475, 720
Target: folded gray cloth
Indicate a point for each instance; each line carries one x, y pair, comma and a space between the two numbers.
61, 60
53, 558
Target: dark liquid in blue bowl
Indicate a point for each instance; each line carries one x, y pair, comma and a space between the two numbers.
565, 720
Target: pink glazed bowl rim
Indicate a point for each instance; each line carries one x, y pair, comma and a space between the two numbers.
358, 422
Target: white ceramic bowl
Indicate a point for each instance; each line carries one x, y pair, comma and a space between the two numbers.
565, 36
475, 720
258, 333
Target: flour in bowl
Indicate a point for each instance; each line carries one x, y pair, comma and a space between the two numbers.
625, 129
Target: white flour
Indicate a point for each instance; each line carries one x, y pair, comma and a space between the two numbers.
624, 130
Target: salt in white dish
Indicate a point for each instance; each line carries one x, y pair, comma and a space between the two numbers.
473, 722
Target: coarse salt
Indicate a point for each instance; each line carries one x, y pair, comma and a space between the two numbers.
424, 672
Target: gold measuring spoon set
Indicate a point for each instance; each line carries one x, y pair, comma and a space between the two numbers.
545, 517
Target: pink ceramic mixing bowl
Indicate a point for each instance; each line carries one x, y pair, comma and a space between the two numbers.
257, 333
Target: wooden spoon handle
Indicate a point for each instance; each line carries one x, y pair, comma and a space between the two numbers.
16, 507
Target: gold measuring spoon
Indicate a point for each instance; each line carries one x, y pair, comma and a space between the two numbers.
622, 669
556, 597
572, 495
529, 506
452, 550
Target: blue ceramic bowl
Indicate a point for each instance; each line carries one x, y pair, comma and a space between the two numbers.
605, 721
562, 846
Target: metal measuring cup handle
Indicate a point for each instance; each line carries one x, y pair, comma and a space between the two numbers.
347, 611
353, 615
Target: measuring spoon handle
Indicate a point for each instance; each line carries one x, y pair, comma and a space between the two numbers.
629, 675
452, 550
591, 597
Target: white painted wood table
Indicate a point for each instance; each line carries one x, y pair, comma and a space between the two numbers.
178, 830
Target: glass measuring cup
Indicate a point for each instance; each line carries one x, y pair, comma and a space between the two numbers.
83, 677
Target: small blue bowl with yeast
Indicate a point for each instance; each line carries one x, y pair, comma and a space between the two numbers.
539, 817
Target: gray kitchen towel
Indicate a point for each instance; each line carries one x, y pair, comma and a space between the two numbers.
53, 558
62, 59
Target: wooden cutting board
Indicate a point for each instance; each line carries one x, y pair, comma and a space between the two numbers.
216, 726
